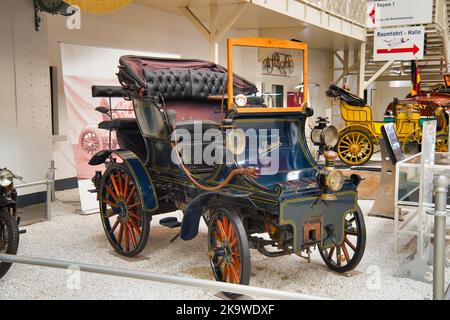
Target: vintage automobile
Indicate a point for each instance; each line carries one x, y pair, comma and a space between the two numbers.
245, 201
359, 137
426, 102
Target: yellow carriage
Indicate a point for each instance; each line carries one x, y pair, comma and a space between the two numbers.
359, 137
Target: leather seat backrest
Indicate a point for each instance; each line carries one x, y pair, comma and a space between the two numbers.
172, 84
207, 83
183, 84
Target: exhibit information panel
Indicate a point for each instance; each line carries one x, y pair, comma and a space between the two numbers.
386, 13
405, 43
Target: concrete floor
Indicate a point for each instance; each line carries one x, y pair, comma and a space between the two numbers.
32, 214
70, 236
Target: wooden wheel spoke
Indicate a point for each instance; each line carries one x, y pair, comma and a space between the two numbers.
350, 244
231, 233
119, 239
111, 193
353, 138
110, 203
110, 213
233, 274
133, 236
217, 236
127, 182
114, 183
234, 244
344, 249
219, 262
225, 225
127, 238
330, 254
136, 217
221, 229
133, 190
115, 226
119, 179
236, 264
134, 205
338, 255
225, 272
135, 226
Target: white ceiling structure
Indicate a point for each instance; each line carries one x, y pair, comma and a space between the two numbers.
272, 20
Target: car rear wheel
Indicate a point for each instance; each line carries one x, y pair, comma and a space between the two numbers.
126, 225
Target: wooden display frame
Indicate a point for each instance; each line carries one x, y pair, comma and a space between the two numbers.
266, 43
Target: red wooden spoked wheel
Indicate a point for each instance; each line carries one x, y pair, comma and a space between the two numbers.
126, 226
228, 247
347, 255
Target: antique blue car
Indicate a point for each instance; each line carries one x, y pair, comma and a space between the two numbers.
263, 190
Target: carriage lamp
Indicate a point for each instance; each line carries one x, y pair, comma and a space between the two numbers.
323, 135
6, 178
330, 179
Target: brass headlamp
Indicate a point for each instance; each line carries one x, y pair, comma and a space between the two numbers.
330, 179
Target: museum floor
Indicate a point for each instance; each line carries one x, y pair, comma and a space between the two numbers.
71, 236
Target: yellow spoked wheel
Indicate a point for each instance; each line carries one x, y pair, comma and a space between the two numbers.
442, 143
355, 148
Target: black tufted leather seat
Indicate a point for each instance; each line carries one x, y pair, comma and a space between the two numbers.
207, 83
172, 84
179, 84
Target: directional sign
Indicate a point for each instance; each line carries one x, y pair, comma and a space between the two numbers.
399, 43
386, 13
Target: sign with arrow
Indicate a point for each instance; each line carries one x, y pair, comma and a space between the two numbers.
399, 43
388, 13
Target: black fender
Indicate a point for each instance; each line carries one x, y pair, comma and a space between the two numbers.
191, 218
100, 157
137, 169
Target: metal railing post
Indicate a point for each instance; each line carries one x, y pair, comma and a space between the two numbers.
50, 193
48, 201
49, 182
52, 178
440, 215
